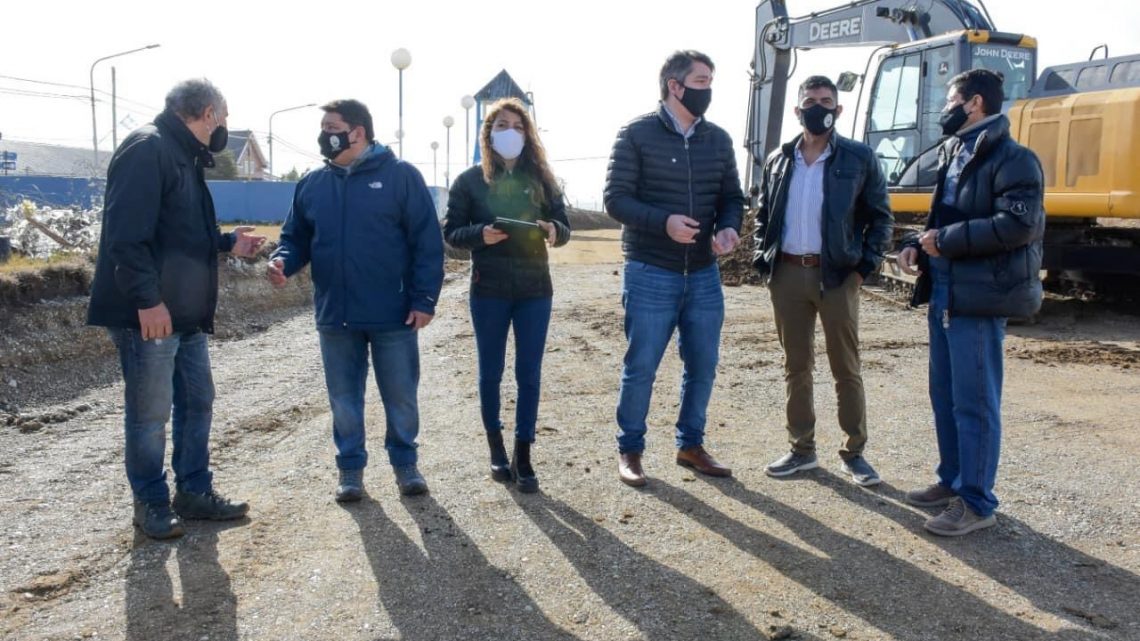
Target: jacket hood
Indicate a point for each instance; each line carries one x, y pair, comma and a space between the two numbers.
374, 156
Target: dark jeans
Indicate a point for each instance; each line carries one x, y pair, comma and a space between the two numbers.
396, 363
158, 375
965, 392
530, 318
658, 302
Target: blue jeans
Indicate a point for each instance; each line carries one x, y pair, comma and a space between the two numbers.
492, 317
158, 375
965, 392
658, 301
396, 363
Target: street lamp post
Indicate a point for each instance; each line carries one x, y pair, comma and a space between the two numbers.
311, 104
448, 121
467, 102
94, 130
401, 59
434, 163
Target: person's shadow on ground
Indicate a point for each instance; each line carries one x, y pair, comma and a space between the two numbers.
894, 595
1052, 576
208, 607
447, 589
662, 602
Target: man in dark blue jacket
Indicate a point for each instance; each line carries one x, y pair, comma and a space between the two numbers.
980, 257
366, 223
672, 184
822, 223
155, 289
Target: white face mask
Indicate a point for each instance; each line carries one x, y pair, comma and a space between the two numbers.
508, 143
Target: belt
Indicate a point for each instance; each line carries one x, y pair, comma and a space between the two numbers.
804, 260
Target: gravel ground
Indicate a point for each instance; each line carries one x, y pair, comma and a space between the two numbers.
686, 558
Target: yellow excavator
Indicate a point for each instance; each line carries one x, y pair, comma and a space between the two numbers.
1082, 119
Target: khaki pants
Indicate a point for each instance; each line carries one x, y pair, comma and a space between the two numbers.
796, 300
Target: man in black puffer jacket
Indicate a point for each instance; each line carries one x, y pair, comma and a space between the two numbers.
672, 184
979, 258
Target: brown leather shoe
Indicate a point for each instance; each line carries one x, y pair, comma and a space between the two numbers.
698, 459
629, 469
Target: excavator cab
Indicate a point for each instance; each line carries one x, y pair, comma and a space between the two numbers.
908, 93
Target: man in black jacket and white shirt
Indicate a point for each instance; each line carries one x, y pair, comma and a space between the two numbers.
672, 184
155, 290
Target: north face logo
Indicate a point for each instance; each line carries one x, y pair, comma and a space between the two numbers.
376, 185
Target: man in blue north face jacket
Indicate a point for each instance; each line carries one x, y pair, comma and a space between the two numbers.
367, 224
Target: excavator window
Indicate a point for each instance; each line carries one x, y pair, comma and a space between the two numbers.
893, 130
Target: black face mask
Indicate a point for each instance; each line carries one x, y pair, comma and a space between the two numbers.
333, 145
218, 139
696, 100
817, 119
953, 119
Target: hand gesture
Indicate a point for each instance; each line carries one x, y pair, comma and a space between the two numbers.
492, 235
245, 245
550, 231
682, 229
725, 241
929, 241
275, 272
418, 320
908, 261
154, 322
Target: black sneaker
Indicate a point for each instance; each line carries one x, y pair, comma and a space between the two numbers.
157, 521
409, 480
861, 472
209, 506
351, 487
791, 463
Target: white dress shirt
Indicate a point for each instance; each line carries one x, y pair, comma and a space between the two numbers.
803, 222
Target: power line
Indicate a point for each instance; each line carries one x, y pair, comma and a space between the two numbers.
70, 86
40, 94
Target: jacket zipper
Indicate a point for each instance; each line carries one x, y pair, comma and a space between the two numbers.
343, 187
692, 214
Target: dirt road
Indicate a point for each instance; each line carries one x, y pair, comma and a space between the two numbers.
591, 559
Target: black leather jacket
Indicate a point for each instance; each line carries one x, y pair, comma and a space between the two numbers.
857, 219
654, 172
993, 234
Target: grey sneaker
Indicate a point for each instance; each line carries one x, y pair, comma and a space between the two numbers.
157, 521
351, 487
791, 463
409, 480
208, 506
935, 495
958, 519
861, 472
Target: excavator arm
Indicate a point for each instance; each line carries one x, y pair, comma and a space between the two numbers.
856, 24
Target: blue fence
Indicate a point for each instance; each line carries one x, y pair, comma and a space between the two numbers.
234, 200
255, 201
52, 191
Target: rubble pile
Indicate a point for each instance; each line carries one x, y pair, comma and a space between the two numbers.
79, 229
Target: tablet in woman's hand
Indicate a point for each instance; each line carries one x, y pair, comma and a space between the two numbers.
508, 224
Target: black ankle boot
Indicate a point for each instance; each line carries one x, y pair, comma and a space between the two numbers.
520, 465
500, 467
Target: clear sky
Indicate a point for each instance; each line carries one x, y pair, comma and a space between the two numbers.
591, 64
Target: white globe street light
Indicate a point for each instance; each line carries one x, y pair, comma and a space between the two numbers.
401, 59
467, 102
434, 163
448, 121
